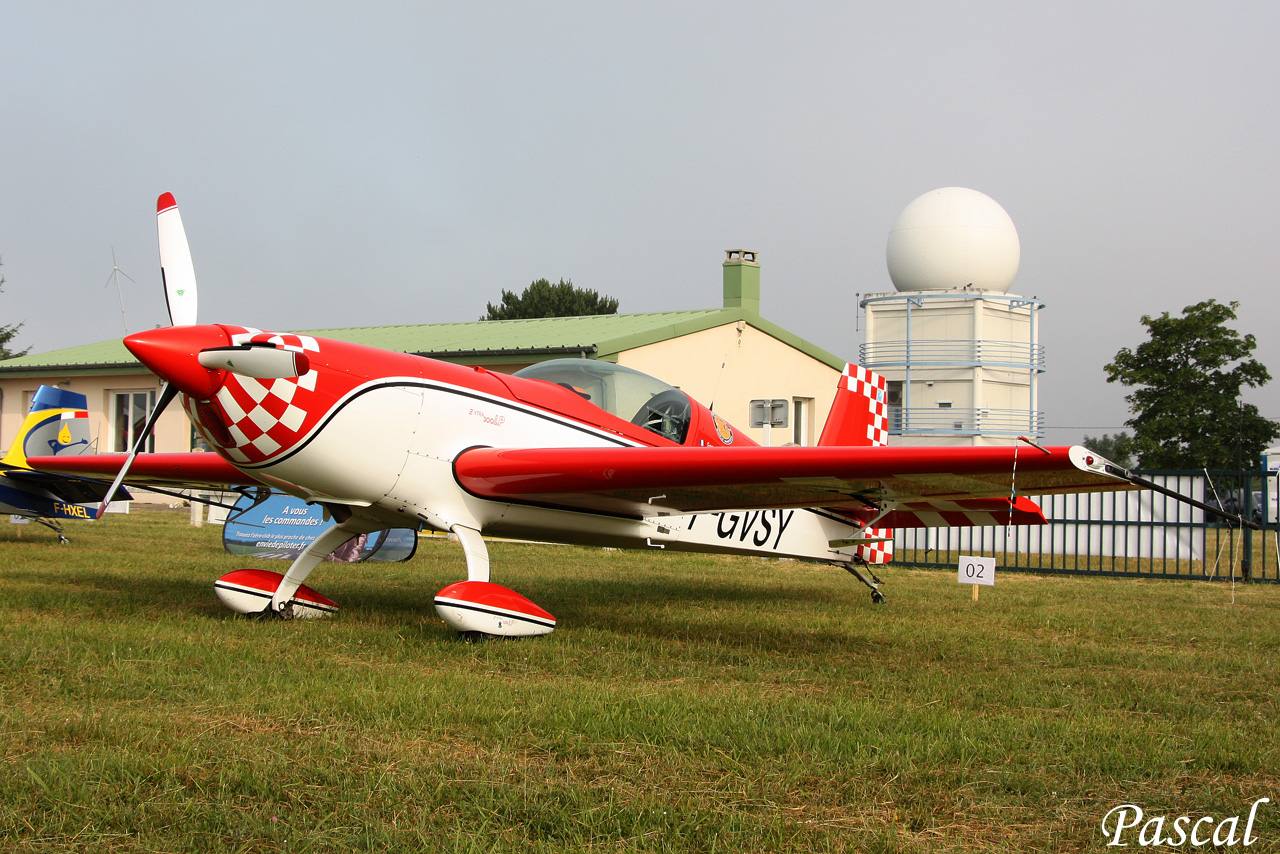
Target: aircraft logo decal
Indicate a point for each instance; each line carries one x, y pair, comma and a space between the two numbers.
64, 439
723, 430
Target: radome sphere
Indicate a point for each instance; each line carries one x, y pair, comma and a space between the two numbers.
950, 239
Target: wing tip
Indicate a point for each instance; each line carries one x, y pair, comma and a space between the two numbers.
165, 202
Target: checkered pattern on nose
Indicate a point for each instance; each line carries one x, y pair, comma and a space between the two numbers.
264, 417
285, 341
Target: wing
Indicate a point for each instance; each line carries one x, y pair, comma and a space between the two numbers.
176, 471
645, 481
68, 490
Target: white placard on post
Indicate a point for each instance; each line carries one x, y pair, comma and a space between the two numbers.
977, 570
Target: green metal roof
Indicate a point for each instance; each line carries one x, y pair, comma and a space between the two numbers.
594, 334
87, 358
601, 336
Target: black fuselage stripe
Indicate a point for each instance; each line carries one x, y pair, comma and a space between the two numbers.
497, 401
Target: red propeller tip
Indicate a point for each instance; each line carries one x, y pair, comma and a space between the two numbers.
165, 202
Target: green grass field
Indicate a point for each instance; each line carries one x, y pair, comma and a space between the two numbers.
685, 703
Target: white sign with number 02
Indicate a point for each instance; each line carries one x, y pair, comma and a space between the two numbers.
977, 570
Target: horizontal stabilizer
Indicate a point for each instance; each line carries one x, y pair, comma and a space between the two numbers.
69, 490
978, 512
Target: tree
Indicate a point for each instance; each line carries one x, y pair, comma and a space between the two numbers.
543, 299
1117, 448
7, 334
1187, 412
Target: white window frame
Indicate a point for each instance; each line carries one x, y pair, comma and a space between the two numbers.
802, 420
130, 408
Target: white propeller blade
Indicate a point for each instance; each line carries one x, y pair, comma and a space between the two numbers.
179, 276
175, 263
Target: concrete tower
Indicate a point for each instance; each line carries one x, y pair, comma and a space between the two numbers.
959, 352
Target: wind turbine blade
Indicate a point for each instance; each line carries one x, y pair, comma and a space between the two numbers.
115, 268
167, 394
175, 263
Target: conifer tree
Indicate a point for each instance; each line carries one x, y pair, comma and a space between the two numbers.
543, 299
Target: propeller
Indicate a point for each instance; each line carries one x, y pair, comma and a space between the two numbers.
169, 354
179, 276
176, 269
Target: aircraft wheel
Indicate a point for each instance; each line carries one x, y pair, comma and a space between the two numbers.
269, 614
877, 598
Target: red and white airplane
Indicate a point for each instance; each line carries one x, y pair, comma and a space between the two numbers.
570, 451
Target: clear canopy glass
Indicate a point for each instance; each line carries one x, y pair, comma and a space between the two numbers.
624, 392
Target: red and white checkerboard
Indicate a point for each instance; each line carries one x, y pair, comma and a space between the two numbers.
881, 552
263, 417
871, 387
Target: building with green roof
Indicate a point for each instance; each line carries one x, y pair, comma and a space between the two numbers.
723, 357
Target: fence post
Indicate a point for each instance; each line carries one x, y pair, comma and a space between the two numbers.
1246, 533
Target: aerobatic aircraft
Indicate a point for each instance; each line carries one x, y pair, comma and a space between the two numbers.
57, 424
571, 451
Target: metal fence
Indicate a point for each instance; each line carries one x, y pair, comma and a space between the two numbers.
1137, 533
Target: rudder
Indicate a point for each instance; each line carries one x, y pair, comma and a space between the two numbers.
859, 418
859, 413
58, 423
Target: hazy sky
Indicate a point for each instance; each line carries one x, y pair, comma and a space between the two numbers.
379, 163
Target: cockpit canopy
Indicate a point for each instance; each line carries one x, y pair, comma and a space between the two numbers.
626, 393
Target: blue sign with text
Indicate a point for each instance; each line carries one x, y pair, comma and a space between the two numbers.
282, 526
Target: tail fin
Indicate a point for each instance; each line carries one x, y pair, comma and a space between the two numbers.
858, 418
58, 423
858, 413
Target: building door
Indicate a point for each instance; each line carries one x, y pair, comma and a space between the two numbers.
132, 408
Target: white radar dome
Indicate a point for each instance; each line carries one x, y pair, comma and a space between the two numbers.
951, 238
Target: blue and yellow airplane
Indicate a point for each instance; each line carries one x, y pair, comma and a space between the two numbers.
57, 424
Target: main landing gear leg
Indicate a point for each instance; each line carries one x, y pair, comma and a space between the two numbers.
56, 528
301, 567
477, 607
476, 551
877, 598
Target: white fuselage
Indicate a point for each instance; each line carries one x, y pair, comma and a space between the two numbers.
387, 451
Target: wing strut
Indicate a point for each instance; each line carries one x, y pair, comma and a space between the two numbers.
1138, 480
